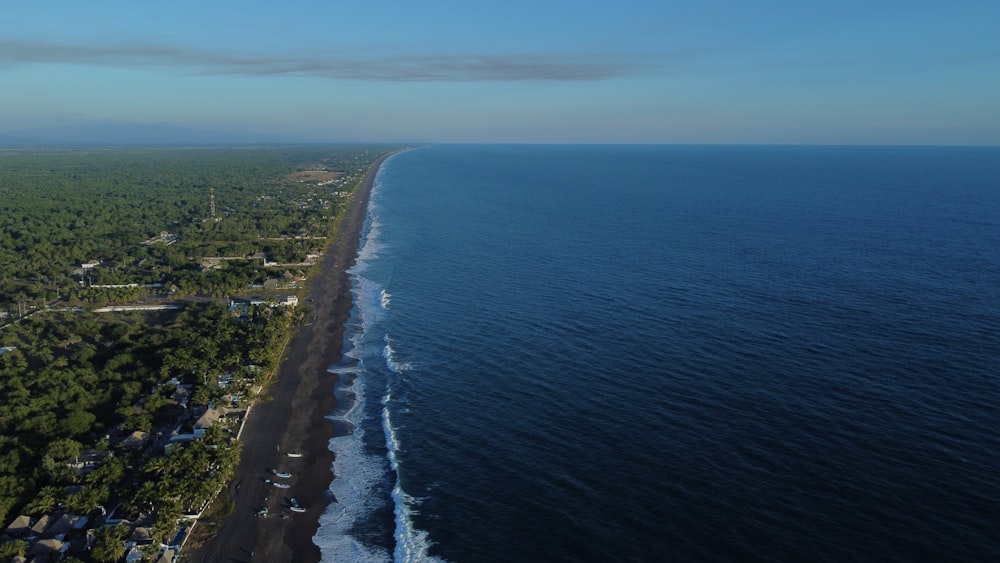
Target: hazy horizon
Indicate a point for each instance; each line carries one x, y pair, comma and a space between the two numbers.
776, 72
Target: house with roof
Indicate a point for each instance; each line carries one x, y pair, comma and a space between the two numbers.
208, 419
48, 550
135, 440
60, 527
88, 460
42, 524
182, 394
141, 536
20, 527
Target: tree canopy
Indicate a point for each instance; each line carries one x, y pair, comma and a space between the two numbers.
188, 227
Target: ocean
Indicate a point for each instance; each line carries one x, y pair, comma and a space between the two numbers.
673, 353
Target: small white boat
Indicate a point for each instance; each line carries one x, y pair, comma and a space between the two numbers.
293, 454
282, 474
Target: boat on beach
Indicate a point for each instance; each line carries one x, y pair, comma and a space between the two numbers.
282, 474
293, 454
276, 484
294, 506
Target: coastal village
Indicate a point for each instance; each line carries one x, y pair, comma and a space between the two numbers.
187, 425
61, 531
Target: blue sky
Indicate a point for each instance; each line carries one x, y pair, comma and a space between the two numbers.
711, 71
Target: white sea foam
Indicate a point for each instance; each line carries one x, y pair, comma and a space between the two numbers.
371, 248
355, 490
372, 232
412, 544
391, 362
358, 475
369, 296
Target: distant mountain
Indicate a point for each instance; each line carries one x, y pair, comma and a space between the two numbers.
118, 133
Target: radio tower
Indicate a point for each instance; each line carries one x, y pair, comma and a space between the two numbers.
211, 202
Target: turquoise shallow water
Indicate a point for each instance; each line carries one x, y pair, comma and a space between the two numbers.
576, 353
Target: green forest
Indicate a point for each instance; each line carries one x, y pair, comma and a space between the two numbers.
196, 247
61, 209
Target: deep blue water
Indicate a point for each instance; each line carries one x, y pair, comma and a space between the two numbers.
670, 353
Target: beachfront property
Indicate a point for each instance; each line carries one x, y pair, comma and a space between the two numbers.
135, 440
85, 267
55, 535
164, 237
88, 460
241, 307
50, 536
209, 419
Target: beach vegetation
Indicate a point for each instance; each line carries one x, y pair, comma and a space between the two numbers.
109, 543
101, 407
12, 549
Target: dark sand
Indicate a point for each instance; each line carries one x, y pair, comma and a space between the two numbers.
291, 418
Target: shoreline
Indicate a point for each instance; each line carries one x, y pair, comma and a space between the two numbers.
291, 417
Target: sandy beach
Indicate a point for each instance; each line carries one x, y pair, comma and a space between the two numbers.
291, 419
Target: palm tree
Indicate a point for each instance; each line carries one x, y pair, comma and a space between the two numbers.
10, 550
45, 501
109, 546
